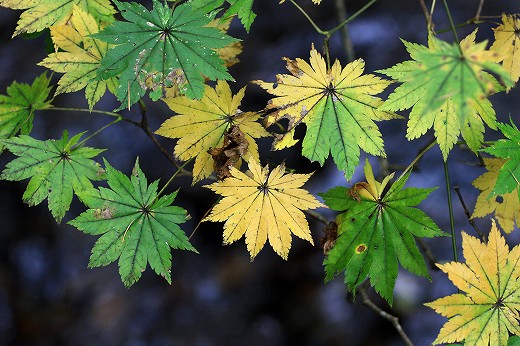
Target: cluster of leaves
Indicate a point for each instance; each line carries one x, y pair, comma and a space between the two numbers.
172, 50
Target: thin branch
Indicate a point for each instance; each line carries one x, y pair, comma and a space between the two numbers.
352, 17
315, 26
450, 211
317, 216
341, 14
481, 235
427, 15
389, 317
432, 262
479, 10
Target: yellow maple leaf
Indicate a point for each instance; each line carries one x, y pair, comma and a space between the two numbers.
507, 43
263, 206
338, 106
79, 57
201, 125
488, 308
41, 14
506, 207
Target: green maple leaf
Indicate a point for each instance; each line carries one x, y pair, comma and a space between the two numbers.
57, 169
447, 87
509, 149
18, 106
41, 14
79, 57
375, 230
242, 8
162, 48
136, 225
337, 105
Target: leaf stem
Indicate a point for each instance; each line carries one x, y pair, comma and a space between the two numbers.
80, 144
179, 170
452, 25
341, 14
421, 153
352, 17
67, 109
314, 25
450, 209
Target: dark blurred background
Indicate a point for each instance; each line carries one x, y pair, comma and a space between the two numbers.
48, 296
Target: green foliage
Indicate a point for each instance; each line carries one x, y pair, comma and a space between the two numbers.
447, 86
18, 106
136, 225
161, 48
376, 229
57, 168
242, 8
508, 148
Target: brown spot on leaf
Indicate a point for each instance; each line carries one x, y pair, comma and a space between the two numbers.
331, 234
103, 213
361, 248
234, 147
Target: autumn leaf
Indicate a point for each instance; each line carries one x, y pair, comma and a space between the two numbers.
153, 48
506, 207
487, 308
376, 230
447, 87
262, 206
135, 224
57, 168
508, 149
507, 43
42, 14
201, 125
79, 57
18, 106
337, 105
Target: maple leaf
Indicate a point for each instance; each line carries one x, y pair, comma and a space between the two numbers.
337, 105
57, 168
41, 14
18, 106
263, 205
508, 178
153, 48
136, 225
242, 8
489, 306
507, 43
80, 57
447, 86
202, 124
506, 207
375, 230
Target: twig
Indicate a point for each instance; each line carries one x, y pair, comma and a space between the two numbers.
427, 15
341, 14
393, 319
479, 10
450, 211
481, 235
317, 216
428, 253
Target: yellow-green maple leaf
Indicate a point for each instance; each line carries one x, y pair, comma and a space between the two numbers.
507, 43
263, 205
337, 105
79, 57
506, 207
42, 14
201, 125
447, 86
487, 308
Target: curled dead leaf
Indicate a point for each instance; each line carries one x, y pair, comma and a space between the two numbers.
234, 147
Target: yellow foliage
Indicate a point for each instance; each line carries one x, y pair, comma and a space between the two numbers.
487, 308
506, 207
263, 205
507, 43
201, 125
